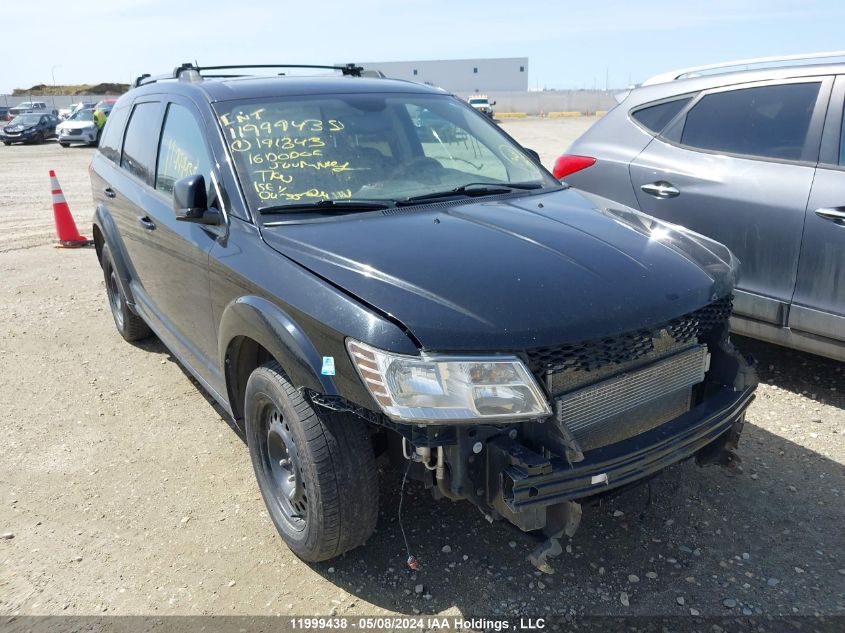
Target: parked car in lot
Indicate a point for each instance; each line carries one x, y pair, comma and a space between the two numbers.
79, 128
347, 286
102, 111
37, 107
482, 103
754, 159
73, 108
29, 128
105, 105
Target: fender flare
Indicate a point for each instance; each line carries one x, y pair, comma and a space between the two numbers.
104, 222
271, 327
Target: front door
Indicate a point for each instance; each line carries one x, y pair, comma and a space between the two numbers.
163, 143
819, 301
176, 252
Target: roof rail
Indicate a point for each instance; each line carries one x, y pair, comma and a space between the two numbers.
683, 73
194, 71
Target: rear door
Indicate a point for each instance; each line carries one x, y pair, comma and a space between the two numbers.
819, 301
737, 165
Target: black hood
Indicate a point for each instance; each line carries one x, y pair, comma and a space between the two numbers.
513, 274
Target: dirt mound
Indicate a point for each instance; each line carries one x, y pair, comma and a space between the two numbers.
40, 90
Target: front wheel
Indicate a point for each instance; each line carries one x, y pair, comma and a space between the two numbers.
65, 144
316, 471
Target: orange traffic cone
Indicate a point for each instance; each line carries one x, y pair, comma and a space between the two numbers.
66, 230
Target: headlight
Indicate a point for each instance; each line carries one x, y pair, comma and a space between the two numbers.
448, 389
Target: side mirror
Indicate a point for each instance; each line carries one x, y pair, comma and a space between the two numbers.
190, 201
492, 103
533, 153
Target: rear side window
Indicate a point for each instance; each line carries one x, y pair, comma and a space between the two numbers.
112, 133
655, 118
139, 145
842, 141
769, 121
183, 151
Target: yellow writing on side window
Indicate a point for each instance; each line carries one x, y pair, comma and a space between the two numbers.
176, 162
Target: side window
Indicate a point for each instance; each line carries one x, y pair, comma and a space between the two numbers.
139, 145
113, 134
769, 121
182, 151
842, 141
655, 118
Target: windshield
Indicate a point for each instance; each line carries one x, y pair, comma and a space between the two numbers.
478, 101
374, 147
26, 119
83, 115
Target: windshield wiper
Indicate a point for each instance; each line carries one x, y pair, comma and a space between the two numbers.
473, 189
328, 205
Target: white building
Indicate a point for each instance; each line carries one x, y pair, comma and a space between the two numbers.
509, 74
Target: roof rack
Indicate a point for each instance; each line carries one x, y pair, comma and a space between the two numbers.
684, 73
193, 71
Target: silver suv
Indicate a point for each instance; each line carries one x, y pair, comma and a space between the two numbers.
754, 159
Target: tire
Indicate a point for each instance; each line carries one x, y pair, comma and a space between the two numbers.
324, 499
130, 325
65, 144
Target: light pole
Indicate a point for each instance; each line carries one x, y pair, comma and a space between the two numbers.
53, 75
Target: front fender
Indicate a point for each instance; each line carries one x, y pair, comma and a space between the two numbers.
274, 329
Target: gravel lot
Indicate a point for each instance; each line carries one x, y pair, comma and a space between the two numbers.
125, 491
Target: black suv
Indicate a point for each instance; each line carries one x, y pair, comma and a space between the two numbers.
352, 285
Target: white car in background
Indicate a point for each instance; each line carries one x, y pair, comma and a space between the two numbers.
73, 108
79, 128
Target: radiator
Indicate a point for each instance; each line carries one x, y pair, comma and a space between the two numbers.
633, 402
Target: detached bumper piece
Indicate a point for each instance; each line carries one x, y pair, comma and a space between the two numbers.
522, 481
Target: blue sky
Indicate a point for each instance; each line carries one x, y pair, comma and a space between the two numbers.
569, 44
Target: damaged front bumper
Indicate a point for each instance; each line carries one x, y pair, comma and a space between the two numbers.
522, 484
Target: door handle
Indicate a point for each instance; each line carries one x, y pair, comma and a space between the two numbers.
146, 223
109, 192
834, 214
660, 189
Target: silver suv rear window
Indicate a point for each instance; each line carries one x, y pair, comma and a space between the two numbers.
655, 118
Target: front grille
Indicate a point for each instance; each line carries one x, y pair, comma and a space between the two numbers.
627, 347
610, 389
